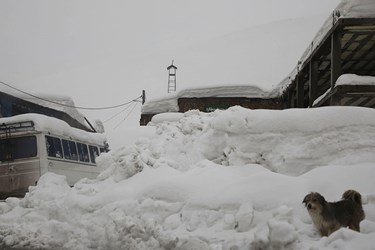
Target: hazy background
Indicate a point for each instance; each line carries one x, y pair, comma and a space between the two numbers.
103, 53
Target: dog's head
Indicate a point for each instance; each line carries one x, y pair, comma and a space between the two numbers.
313, 201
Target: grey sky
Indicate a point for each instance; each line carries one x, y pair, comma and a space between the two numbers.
105, 52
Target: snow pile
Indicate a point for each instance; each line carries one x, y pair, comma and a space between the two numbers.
231, 179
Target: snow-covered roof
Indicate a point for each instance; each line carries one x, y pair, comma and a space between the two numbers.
160, 106
345, 9
349, 79
357, 8
225, 91
170, 104
352, 79
61, 99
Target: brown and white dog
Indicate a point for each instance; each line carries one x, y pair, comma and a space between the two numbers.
331, 216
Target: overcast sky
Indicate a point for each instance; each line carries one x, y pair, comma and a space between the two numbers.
106, 52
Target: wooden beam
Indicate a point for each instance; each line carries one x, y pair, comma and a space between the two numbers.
313, 82
356, 50
300, 91
357, 21
349, 42
335, 57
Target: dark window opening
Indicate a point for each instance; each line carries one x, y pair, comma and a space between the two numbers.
83, 153
18, 148
94, 152
70, 150
53, 146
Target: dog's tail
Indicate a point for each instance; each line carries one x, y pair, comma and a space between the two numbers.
353, 196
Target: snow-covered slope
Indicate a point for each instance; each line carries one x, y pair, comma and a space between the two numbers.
231, 179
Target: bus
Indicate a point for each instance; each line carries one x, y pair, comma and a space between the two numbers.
33, 144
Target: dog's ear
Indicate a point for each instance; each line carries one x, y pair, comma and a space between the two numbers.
307, 198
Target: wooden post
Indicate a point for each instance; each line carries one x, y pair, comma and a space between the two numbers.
289, 99
336, 69
313, 82
300, 92
293, 98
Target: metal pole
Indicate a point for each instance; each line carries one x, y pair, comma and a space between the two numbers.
143, 97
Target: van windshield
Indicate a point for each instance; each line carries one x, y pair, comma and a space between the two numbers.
17, 148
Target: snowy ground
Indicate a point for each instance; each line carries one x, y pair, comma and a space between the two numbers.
231, 179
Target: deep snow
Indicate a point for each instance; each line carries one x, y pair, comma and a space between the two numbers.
231, 179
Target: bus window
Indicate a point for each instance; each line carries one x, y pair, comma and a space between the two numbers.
83, 153
94, 152
18, 148
70, 150
54, 148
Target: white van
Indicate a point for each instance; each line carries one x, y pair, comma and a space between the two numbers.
33, 144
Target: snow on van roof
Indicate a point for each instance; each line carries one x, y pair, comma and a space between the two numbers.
56, 127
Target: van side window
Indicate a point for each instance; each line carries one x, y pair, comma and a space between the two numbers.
94, 152
18, 148
53, 146
83, 153
70, 150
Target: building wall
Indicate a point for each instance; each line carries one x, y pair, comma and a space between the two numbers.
209, 104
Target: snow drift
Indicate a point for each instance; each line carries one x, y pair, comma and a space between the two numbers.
231, 179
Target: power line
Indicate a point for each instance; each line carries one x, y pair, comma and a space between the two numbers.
71, 106
126, 117
118, 113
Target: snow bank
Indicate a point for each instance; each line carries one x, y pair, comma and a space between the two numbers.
231, 179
